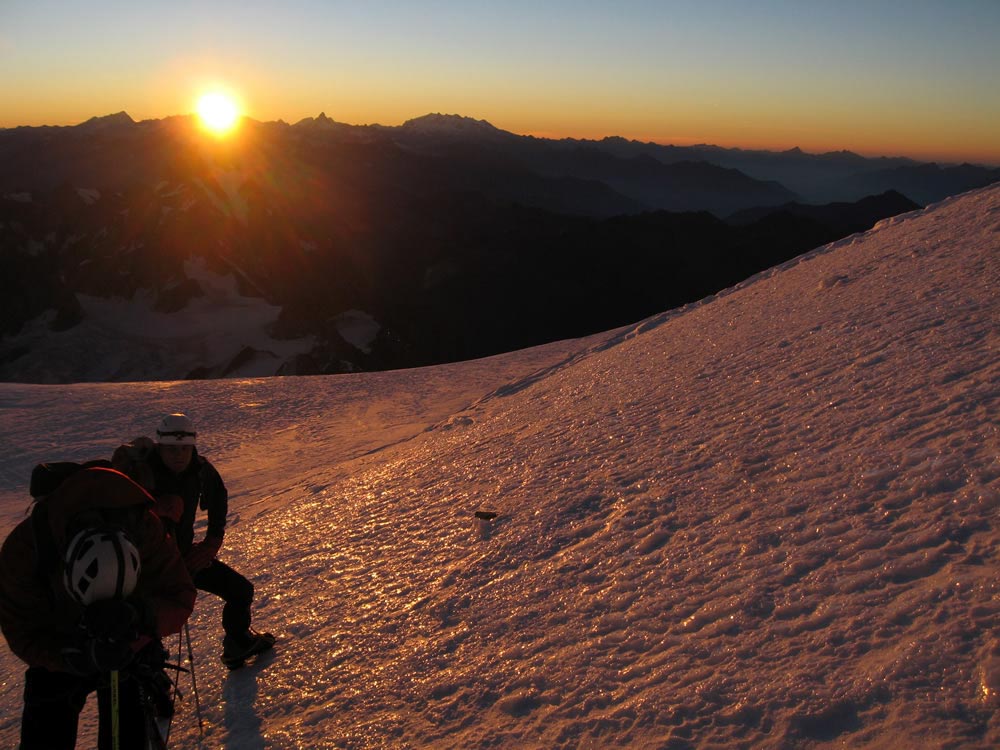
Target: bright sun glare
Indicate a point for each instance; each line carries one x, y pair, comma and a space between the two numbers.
218, 112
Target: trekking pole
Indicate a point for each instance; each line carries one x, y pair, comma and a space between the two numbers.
116, 739
174, 689
194, 682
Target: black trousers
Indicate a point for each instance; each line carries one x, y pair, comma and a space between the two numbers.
235, 590
52, 705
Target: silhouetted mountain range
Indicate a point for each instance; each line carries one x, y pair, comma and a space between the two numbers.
821, 178
813, 178
447, 237
840, 217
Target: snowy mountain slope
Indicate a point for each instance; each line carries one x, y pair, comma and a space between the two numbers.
765, 520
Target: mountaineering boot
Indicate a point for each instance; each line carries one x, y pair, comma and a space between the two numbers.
235, 651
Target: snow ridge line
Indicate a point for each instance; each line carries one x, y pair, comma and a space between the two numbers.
625, 333
619, 336
657, 320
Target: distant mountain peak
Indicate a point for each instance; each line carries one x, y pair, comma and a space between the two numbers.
439, 124
118, 119
321, 120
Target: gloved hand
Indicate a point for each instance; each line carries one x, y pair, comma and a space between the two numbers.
151, 657
148, 669
202, 553
169, 508
113, 620
97, 655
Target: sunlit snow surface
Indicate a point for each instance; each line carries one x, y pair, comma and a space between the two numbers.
766, 520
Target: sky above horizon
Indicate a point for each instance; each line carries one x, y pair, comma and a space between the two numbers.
879, 78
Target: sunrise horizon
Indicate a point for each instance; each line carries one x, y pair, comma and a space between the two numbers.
876, 79
582, 132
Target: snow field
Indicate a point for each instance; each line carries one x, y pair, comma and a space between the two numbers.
766, 520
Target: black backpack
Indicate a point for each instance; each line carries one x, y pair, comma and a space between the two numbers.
45, 479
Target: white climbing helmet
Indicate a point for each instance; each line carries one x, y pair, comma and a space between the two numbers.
101, 564
175, 429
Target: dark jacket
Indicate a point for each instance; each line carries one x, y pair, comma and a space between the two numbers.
37, 615
198, 486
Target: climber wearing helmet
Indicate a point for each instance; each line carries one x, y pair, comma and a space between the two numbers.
87, 584
179, 477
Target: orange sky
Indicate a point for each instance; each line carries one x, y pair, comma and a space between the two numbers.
878, 78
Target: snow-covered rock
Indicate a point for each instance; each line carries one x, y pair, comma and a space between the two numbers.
125, 339
89, 195
358, 328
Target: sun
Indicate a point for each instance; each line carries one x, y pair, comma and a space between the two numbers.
218, 112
